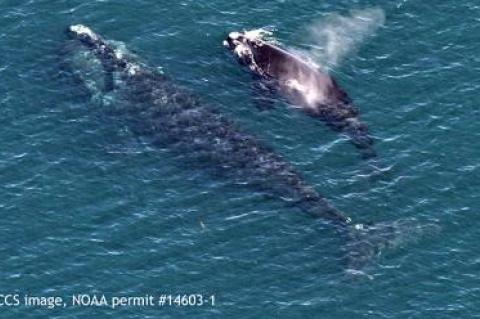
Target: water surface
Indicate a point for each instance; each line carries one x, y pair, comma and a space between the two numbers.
87, 207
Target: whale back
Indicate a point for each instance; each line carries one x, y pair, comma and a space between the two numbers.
304, 85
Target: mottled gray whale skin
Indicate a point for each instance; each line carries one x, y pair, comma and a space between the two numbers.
303, 85
174, 118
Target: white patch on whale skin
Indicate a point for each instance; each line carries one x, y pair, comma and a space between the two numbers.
234, 35
118, 54
81, 29
241, 50
251, 35
308, 89
241, 40
132, 68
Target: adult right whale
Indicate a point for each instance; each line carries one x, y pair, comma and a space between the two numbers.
175, 119
302, 84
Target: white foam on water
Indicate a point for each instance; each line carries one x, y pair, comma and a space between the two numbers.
258, 34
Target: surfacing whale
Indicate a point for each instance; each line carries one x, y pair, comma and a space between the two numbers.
302, 84
174, 118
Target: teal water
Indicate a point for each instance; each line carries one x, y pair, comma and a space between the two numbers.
89, 208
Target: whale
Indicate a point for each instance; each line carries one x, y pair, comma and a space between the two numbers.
302, 83
174, 118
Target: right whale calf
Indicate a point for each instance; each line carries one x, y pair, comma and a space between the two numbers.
302, 84
174, 118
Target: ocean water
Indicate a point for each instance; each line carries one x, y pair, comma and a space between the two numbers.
88, 208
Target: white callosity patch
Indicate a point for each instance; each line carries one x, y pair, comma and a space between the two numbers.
83, 30
242, 49
243, 52
240, 40
234, 35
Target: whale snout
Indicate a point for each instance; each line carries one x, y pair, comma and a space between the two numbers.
82, 33
233, 40
228, 44
240, 46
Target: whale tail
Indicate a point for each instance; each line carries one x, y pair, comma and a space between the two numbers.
367, 241
350, 125
359, 135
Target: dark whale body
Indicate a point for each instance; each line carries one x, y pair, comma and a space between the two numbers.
304, 85
174, 118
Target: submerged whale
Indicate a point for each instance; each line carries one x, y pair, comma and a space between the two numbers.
302, 84
174, 118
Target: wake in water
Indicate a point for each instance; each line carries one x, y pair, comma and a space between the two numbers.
336, 36
368, 241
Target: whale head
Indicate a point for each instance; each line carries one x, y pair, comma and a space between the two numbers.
240, 46
82, 33
97, 65
248, 48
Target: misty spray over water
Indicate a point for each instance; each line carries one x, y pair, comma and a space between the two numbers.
335, 36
